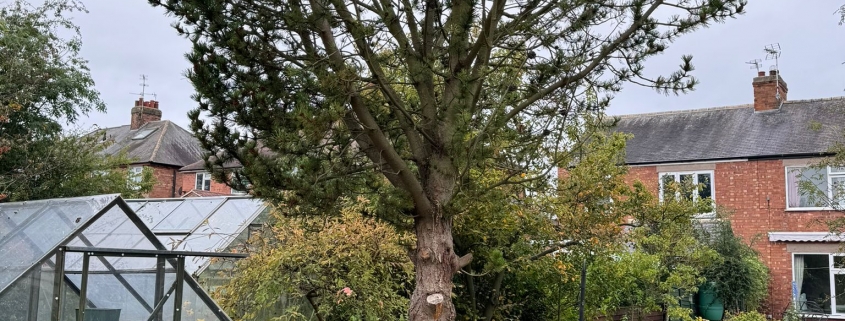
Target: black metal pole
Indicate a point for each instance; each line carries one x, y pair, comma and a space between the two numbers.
180, 282
58, 282
159, 290
83, 289
583, 289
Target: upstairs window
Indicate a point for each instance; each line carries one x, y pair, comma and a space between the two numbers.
702, 180
135, 176
203, 181
815, 188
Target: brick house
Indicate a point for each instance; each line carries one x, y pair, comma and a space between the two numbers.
164, 147
749, 159
196, 181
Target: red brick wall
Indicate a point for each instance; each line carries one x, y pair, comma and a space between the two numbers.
756, 193
188, 181
646, 175
144, 112
164, 176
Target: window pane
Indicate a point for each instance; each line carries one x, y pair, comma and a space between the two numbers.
837, 193
207, 183
687, 185
813, 182
812, 278
705, 185
665, 182
838, 262
198, 185
839, 284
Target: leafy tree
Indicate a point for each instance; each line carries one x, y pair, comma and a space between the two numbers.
335, 268
640, 265
326, 98
43, 84
67, 165
43, 78
741, 279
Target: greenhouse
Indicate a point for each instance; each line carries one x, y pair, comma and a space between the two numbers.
205, 224
93, 259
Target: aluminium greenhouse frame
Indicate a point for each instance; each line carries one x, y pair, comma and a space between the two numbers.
59, 251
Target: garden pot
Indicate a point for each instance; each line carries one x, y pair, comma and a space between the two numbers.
710, 306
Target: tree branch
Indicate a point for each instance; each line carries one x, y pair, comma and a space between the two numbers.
598, 60
553, 249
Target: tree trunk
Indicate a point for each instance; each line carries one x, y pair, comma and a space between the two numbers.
435, 263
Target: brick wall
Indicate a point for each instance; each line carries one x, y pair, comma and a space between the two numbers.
164, 177
144, 112
646, 175
188, 181
755, 191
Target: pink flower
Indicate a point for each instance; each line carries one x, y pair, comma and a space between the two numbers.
347, 291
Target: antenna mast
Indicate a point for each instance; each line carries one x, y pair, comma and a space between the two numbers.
144, 86
755, 64
773, 53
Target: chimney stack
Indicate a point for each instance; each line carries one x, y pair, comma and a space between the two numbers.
144, 112
769, 91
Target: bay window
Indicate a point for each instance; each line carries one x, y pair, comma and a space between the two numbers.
814, 188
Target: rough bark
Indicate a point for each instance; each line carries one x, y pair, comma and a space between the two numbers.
436, 264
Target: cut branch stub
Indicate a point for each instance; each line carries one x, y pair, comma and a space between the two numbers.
436, 300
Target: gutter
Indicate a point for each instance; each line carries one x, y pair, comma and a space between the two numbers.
728, 159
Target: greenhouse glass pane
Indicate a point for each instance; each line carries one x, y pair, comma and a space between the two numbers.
109, 291
219, 230
135, 205
154, 212
14, 301
112, 230
11, 217
46, 224
189, 215
29, 296
194, 308
70, 302
171, 242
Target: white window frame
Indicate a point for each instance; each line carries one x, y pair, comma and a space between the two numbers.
206, 176
830, 175
832, 272
135, 176
234, 191
694, 174
677, 175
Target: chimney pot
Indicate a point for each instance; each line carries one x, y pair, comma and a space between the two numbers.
761, 74
773, 72
144, 112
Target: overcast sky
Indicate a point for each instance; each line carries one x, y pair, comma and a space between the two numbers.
123, 39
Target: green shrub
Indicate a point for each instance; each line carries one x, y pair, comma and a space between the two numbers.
746, 316
740, 278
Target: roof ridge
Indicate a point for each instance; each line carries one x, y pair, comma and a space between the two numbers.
160, 138
685, 111
815, 99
